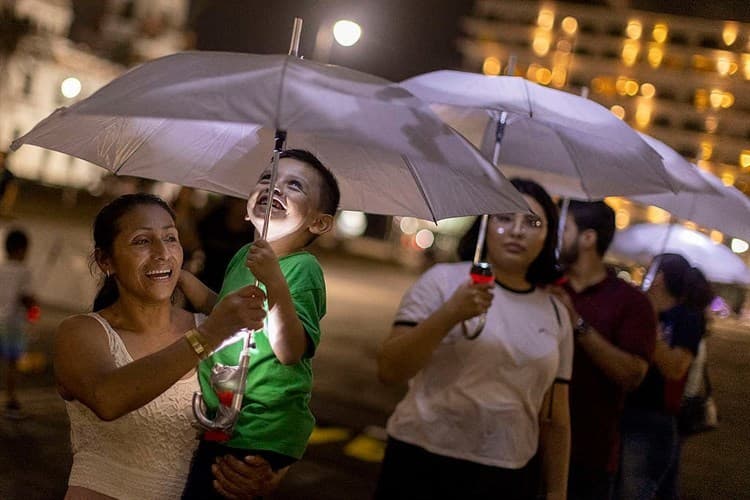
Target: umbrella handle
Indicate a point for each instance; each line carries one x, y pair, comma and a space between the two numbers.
478, 330
221, 427
481, 272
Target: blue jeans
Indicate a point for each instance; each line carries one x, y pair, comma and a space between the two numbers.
650, 455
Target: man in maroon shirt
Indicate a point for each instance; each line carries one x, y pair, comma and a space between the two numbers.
615, 332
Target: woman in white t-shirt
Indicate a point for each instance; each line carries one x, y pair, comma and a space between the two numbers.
483, 418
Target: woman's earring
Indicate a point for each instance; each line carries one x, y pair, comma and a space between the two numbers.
107, 274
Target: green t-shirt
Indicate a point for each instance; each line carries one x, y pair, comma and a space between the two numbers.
275, 412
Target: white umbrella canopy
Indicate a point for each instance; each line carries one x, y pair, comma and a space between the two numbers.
641, 242
208, 119
683, 173
727, 209
574, 147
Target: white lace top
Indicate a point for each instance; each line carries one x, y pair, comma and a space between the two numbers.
142, 455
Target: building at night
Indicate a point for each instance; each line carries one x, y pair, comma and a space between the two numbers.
64, 51
682, 80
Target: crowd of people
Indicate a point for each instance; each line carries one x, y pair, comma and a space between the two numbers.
570, 390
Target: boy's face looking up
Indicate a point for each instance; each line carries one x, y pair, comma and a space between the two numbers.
295, 215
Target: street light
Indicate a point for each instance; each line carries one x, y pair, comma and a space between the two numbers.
345, 32
70, 87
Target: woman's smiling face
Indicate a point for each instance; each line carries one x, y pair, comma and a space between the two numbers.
146, 253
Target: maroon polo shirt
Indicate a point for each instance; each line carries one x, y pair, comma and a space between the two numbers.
624, 316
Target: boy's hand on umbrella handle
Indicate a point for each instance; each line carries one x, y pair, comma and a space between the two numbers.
240, 309
470, 300
263, 263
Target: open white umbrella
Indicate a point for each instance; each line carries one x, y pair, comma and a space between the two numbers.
209, 120
641, 242
727, 209
574, 147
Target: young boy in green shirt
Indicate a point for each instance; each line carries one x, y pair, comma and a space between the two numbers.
275, 421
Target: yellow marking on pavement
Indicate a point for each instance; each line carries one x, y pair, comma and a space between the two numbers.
322, 435
365, 448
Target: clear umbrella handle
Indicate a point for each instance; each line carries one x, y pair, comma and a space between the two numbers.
481, 272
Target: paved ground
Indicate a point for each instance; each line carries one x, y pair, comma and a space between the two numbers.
351, 406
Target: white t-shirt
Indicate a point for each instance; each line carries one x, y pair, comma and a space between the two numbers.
15, 282
479, 400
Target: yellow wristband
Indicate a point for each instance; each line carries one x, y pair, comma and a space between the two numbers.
196, 341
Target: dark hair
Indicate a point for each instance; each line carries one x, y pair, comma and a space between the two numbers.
15, 241
599, 217
106, 229
543, 269
684, 282
329, 193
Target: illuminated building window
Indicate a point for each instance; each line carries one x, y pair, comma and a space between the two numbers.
727, 100
655, 56
723, 65
727, 178
715, 98
631, 87
491, 66
729, 35
630, 51
543, 76
745, 158
622, 219
643, 114
541, 43
707, 150
634, 29
620, 85
660, 32
648, 90
531, 72
569, 25
618, 111
546, 18
701, 99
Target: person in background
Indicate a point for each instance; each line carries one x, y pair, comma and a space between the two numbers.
614, 331
484, 418
649, 466
127, 370
16, 300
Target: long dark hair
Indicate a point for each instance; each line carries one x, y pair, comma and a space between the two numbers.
687, 284
544, 268
106, 229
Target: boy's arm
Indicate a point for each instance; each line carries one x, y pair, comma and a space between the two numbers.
202, 297
286, 333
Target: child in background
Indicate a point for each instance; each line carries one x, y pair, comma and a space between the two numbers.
16, 300
275, 421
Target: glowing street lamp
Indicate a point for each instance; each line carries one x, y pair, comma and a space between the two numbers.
346, 32
70, 87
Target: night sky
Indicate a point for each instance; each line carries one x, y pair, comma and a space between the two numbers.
401, 38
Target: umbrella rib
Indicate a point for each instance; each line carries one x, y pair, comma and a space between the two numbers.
417, 181
575, 165
135, 150
528, 97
